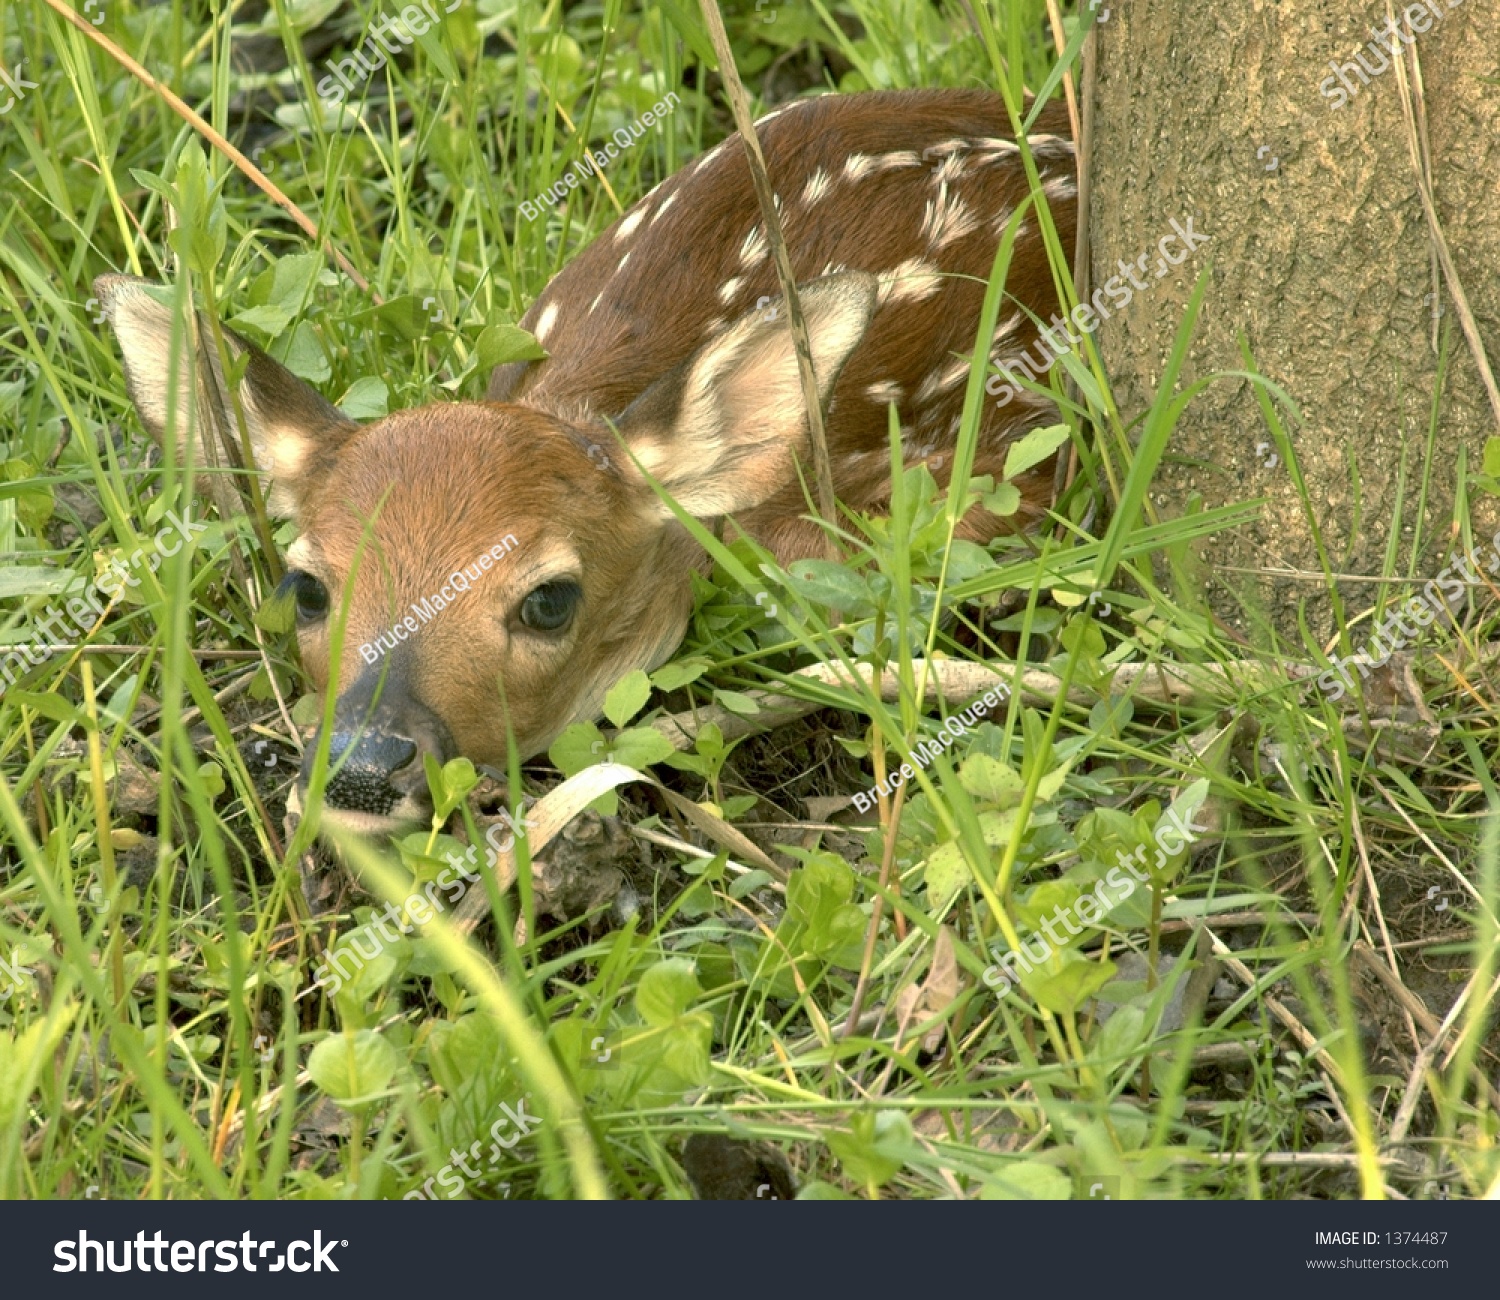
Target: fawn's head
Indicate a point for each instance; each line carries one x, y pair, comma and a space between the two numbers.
486, 567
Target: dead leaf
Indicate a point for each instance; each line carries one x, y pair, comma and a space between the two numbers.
935, 998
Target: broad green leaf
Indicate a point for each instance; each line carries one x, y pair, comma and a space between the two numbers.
580, 746
991, 780
51, 706
1034, 448
1004, 501
826, 583
945, 874
499, 345
874, 1148
817, 898
368, 398
627, 697
967, 560
1122, 1034
369, 974
302, 354
1492, 457
1050, 784
640, 747
737, 702
680, 672
667, 990
1063, 991
1044, 901
749, 883
353, 1068
946, 863
264, 323
463, 1050
33, 500
212, 776
303, 15
1026, 1180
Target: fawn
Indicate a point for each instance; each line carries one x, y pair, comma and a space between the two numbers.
573, 571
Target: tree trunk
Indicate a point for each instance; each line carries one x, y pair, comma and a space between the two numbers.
1323, 259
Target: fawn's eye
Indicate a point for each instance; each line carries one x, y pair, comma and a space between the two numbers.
550, 608
310, 594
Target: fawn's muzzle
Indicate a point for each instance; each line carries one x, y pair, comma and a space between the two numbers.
376, 776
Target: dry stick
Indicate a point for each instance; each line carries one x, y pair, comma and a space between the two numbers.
887, 864
1425, 1057
1060, 41
1170, 685
739, 105
1417, 144
1284, 1159
182, 110
1166, 685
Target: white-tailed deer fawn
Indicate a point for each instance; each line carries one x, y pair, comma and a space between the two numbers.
892, 203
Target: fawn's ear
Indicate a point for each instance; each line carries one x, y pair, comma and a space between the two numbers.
294, 432
721, 431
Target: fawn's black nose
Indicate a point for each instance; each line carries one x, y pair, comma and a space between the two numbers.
380, 735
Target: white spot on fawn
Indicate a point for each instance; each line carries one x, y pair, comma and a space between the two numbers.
666, 203
1060, 187
949, 169
941, 380
910, 281
833, 268
546, 321
629, 222
955, 145
818, 185
714, 154
1050, 146
1042, 146
859, 165
993, 149
885, 392
623, 260
729, 289
595, 303
946, 218
1005, 329
754, 248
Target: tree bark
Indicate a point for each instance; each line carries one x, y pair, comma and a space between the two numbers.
1323, 259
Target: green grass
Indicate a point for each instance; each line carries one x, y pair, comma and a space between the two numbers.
166, 1037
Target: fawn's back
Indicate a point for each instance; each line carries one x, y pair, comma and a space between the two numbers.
912, 187
496, 566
